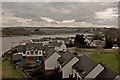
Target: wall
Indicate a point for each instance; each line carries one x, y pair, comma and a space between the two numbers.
67, 69
51, 62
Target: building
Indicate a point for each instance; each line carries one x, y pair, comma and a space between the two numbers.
86, 68
97, 43
58, 46
65, 63
51, 57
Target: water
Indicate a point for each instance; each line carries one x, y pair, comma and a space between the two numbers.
9, 42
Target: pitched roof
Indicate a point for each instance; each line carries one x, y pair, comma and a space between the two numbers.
55, 44
84, 66
106, 74
34, 45
65, 58
49, 52
21, 48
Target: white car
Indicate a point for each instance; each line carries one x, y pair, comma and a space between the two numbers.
115, 47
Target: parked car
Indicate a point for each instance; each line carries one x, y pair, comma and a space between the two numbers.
115, 47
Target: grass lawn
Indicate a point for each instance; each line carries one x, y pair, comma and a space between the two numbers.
109, 59
9, 72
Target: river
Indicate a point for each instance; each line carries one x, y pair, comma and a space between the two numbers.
8, 42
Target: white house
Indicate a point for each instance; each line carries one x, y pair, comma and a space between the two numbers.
33, 49
65, 62
86, 68
97, 43
61, 47
51, 57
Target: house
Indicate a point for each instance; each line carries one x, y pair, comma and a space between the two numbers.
58, 46
97, 43
107, 74
34, 51
83, 68
87, 41
86, 68
51, 57
65, 63
44, 41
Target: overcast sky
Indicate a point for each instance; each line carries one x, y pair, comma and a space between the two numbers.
64, 14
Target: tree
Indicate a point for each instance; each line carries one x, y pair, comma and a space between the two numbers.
108, 42
79, 41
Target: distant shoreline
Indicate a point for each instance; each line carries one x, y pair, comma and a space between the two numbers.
42, 34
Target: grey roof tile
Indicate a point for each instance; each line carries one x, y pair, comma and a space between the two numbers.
84, 64
65, 58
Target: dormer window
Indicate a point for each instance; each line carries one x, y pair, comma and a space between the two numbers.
28, 53
36, 49
39, 52
32, 52
36, 52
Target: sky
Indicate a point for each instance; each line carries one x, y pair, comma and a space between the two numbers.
60, 14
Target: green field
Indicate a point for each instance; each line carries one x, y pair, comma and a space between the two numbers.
9, 72
110, 60
109, 57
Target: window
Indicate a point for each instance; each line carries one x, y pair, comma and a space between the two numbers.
39, 52
36, 52
23, 52
32, 52
27, 52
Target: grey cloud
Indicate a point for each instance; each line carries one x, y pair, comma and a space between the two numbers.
79, 11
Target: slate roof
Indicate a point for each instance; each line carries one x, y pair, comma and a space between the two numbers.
106, 74
30, 46
21, 48
55, 44
49, 52
65, 58
84, 64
